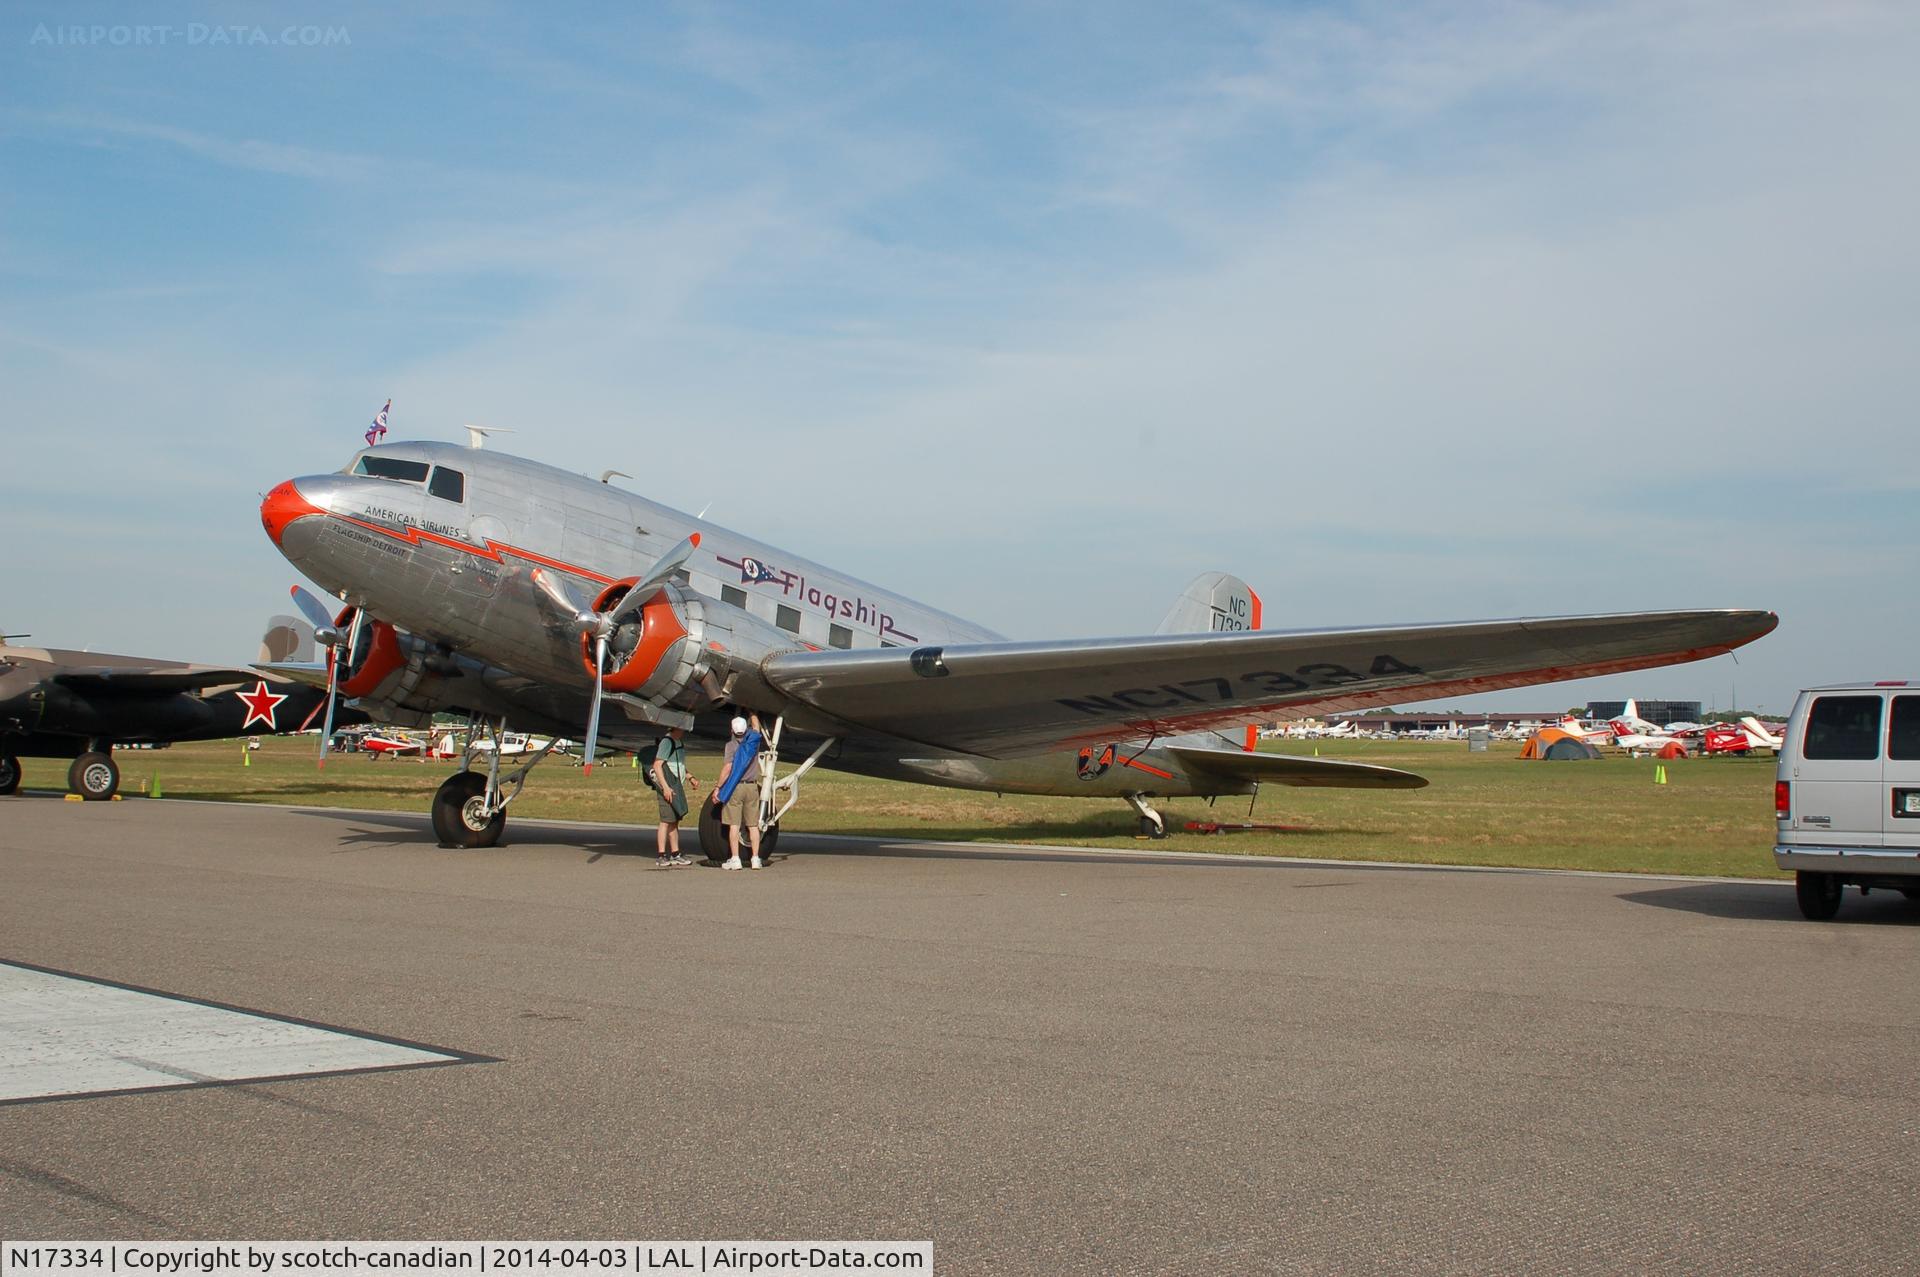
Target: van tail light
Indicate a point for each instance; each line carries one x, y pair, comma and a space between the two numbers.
1782, 799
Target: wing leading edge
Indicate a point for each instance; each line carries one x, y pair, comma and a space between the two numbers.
1003, 700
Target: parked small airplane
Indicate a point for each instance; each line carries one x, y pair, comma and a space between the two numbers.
1743, 737
79, 705
484, 584
392, 745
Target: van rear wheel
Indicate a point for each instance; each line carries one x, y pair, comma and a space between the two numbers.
1818, 894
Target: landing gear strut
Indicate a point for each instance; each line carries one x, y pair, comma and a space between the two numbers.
713, 834
470, 807
1152, 823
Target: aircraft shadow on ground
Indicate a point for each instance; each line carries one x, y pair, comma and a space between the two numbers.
920, 848
1097, 826
1773, 903
405, 829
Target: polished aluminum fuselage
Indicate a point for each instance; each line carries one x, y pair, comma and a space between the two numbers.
460, 575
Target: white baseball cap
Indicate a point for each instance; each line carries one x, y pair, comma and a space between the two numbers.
739, 727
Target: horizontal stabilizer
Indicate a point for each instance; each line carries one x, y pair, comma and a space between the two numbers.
1291, 769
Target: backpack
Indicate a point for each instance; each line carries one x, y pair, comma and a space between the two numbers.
646, 765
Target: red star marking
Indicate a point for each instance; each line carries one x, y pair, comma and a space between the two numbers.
260, 704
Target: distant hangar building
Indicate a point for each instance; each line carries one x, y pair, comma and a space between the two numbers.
1662, 712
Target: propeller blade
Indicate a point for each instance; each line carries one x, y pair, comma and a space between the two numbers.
340, 657
565, 601
656, 576
593, 719
317, 616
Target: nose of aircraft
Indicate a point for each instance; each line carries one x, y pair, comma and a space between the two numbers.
283, 506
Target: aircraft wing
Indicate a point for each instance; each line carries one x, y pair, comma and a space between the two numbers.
1003, 700
154, 679
312, 673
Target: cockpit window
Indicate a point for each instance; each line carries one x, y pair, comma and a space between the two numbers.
448, 485
392, 468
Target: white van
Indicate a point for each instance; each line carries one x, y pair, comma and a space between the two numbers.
1847, 794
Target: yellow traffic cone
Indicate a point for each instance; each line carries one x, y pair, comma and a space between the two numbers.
156, 786
1660, 774
246, 757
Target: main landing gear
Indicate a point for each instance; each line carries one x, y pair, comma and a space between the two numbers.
94, 776
713, 834
470, 807
1152, 823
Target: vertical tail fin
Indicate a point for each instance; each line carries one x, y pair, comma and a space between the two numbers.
1213, 602
287, 639
1216, 603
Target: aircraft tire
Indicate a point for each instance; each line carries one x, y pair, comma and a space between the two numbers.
455, 816
1818, 894
1151, 828
9, 774
94, 776
713, 834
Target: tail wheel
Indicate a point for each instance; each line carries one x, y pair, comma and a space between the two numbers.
9, 774
1818, 893
459, 812
94, 776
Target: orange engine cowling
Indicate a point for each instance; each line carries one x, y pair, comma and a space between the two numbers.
376, 654
644, 656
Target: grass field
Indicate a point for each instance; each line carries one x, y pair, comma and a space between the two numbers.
1715, 816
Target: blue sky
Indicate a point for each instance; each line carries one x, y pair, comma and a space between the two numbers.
1401, 312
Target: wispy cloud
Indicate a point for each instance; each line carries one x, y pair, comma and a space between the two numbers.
249, 154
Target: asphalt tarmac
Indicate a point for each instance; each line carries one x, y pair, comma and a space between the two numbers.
1043, 1060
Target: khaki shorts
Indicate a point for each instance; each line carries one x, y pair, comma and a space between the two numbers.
667, 814
744, 807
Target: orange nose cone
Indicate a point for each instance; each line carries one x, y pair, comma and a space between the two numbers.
282, 506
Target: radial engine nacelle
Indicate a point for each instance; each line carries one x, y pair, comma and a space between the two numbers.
685, 651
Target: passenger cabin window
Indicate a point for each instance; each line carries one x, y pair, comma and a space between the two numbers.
733, 596
1844, 728
787, 618
448, 485
392, 468
1903, 732
839, 636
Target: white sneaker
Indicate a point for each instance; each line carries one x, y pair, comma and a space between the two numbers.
734, 863
756, 862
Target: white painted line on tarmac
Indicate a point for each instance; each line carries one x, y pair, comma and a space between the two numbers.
63, 1036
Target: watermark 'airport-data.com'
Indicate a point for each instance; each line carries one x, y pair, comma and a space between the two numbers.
192, 35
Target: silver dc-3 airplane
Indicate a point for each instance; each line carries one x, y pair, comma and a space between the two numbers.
509, 591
